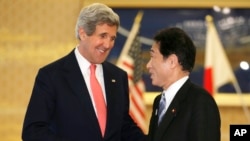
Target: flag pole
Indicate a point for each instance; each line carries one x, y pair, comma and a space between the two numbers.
131, 36
232, 79
127, 61
214, 46
244, 106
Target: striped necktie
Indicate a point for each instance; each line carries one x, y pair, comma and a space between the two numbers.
162, 106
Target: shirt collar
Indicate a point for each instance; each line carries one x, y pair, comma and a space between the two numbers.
173, 89
84, 63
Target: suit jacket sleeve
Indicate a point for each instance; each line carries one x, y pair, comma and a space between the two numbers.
40, 108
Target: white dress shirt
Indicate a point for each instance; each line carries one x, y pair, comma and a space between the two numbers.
84, 65
172, 90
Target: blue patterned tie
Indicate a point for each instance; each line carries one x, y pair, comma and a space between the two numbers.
162, 106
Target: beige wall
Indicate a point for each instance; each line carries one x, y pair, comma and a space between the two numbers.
34, 33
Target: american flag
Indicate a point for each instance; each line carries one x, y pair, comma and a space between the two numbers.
131, 61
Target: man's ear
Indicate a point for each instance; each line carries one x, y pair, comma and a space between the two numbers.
173, 60
82, 33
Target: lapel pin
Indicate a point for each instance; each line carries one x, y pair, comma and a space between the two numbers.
113, 80
173, 111
156, 111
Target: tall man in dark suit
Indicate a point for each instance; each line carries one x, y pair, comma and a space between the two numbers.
184, 111
62, 106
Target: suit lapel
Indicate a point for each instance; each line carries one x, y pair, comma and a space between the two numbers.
169, 116
76, 82
172, 111
111, 97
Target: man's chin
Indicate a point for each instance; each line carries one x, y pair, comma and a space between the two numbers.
154, 84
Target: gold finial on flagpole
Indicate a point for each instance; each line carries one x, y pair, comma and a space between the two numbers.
209, 18
139, 16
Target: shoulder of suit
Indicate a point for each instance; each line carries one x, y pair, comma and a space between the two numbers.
113, 67
58, 63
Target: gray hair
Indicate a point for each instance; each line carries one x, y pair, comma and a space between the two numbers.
93, 15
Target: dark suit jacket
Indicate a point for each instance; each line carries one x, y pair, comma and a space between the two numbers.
60, 107
192, 116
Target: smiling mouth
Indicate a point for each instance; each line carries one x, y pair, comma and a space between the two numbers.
101, 50
151, 75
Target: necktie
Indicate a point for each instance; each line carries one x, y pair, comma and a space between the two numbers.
162, 106
98, 98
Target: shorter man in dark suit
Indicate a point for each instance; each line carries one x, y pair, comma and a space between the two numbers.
184, 111
65, 104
